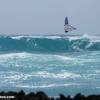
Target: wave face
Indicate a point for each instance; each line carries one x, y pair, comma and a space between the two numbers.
47, 44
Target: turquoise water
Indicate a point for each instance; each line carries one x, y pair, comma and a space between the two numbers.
51, 64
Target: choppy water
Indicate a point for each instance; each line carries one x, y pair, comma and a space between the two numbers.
51, 64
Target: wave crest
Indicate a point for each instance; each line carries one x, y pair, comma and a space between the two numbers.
45, 45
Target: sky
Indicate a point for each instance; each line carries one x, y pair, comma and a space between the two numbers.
47, 16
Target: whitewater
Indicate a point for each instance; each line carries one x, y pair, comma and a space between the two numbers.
52, 64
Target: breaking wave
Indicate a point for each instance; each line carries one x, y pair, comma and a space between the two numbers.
47, 44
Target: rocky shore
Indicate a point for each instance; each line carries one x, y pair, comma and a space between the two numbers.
21, 95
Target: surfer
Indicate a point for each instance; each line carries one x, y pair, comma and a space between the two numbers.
68, 27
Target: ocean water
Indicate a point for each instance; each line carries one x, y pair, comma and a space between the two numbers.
52, 64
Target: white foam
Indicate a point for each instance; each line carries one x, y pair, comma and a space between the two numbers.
64, 57
45, 85
17, 37
15, 76
62, 75
23, 54
97, 71
98, 87
36, 36
93, 38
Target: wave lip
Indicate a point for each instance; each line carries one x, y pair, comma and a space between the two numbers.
48, 44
